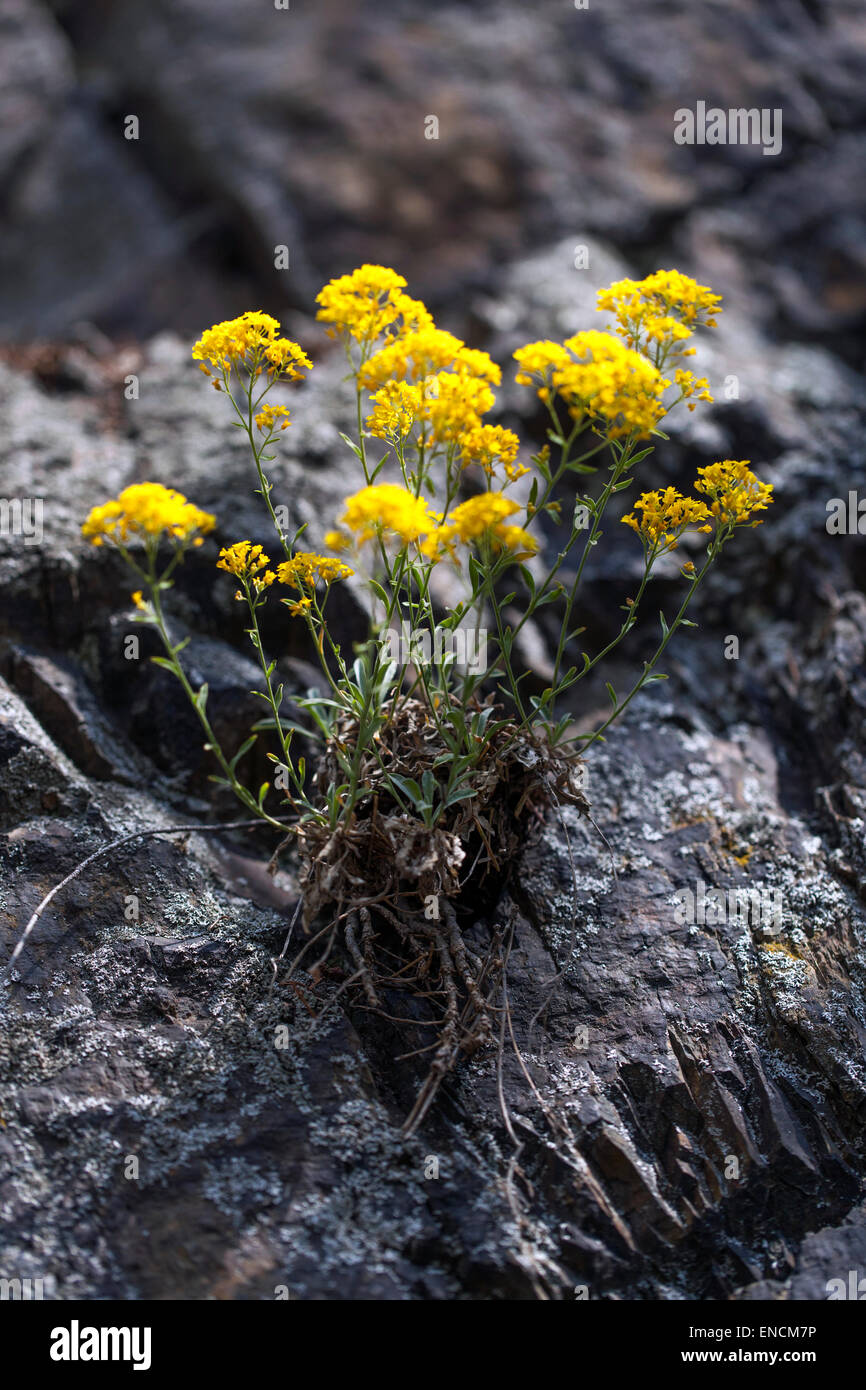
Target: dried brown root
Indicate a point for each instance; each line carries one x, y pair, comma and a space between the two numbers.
386, 887
350, 932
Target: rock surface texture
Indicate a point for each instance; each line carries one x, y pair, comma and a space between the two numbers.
687, 1115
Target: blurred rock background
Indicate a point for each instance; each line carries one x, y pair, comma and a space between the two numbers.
306, 127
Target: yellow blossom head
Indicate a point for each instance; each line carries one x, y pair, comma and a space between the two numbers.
396, 407
247, 562
422, 354
250, 343
305, 570
387, 508
271, 415
147, 511
597, 377
658, 314
454, 406
734, 492
665, 515
492, 448
368, 301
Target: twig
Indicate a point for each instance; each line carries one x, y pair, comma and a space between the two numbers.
106, 849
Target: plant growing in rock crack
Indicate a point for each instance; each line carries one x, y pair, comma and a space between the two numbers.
429, 765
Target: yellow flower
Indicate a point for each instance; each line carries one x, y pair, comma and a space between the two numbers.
286, 359
664, 517
490, 446
305, 569
387, 507
250, 342
481, 517
690, 385
657, 314
246, 561
454, 406
515, 539
416, 356
597, 377
472, 518
439, 542
735, 492
367, 302
337, 541
138, 600
297, 607
269, 415
537, 362
147, 510
397, 405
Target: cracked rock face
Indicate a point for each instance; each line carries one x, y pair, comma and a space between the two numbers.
176, 1121
686, 978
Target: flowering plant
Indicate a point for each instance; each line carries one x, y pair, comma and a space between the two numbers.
425, 759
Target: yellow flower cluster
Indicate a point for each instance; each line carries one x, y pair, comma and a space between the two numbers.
662, 309
387, 507
269, 415
305, 569
454, 406
481, 518
537, 363
396, 407
691, 385
416, 356
597, 377
251, 342
147, 510
367, 302
491, 446
247, 561
665, 514
472, 518
734, 491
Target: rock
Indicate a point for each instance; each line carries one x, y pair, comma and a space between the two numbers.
554, 123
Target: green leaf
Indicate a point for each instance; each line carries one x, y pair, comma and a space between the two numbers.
356, 450
460, 794
201, 698
551, 596
665, 628
163, 661
244, 748
612, 693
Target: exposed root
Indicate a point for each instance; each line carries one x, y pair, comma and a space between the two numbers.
388, 888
